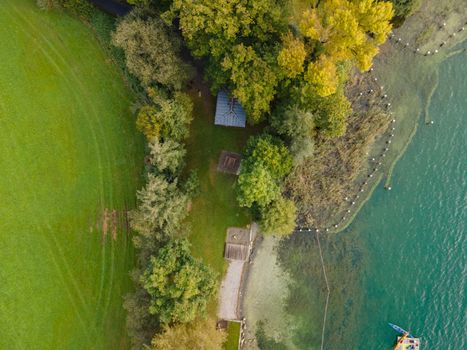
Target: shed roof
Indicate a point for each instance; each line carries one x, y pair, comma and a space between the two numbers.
236, 251
238, 235
229, 162
229, 112
237, 243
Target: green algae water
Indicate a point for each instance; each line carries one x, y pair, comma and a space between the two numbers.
402, 261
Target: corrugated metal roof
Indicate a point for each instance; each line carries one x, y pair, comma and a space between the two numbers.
229, 112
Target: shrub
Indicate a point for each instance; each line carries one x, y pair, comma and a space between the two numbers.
279, 217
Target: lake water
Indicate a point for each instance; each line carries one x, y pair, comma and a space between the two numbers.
402, 261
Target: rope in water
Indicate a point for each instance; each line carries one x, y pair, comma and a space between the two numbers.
328, 291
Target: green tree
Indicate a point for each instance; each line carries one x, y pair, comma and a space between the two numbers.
213, 27
161, 209
165, 117
166, 157
279, 217
152, 52
253, 80
179, 285
331, 114
269, 152
239, 38
196, 335
256, 186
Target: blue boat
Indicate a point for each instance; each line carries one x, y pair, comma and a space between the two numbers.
400, 330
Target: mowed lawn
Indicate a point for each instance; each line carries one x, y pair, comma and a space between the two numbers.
68, 151
216, 207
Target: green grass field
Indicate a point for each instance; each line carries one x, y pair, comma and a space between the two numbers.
68, 151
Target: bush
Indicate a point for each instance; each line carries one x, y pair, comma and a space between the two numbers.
179, 285
279, 217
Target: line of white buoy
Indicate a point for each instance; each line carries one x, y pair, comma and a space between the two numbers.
395, 39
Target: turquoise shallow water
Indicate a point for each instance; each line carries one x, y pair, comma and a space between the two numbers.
414, 236
404, 259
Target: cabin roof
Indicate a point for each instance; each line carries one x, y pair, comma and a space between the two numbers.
237, 244
229, 112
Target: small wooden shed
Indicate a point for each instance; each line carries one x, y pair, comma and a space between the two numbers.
229, 162
237, 244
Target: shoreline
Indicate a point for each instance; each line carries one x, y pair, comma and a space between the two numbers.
394, 156
413, 98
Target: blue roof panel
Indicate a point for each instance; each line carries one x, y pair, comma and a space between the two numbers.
229, 112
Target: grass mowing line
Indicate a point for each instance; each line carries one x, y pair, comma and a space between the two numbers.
84, 91
78, 101
38, 134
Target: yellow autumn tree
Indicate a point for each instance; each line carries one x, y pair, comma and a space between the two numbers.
292, 55
321, 74
345, 31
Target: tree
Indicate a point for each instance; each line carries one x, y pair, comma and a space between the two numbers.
331, 114
343, 30
292, 56
166, 157
269, 152
404, 8
165, 117
253, 80
239, 38
161, 209
197, 335
179, 285
256, 186
213, 27
279, 217
151, 52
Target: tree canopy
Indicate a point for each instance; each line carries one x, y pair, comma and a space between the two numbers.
152, 52
196, 335
269, 152
178, 284
279, 217
256, 186
165, 117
